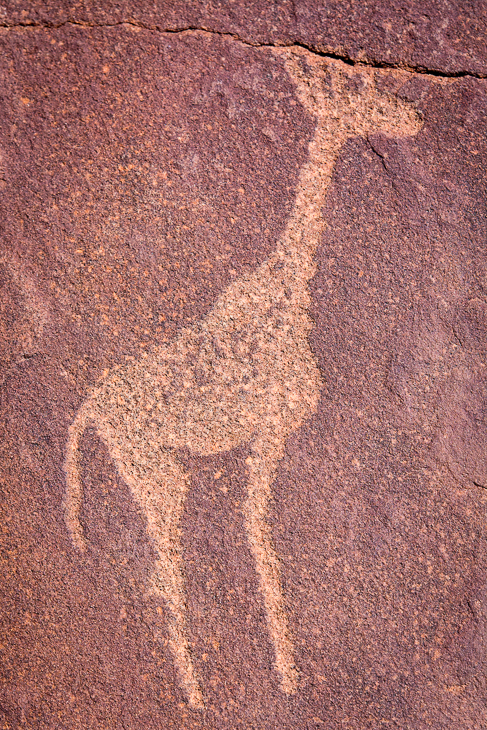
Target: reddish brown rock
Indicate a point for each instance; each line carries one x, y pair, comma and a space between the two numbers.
141, 174
446, 37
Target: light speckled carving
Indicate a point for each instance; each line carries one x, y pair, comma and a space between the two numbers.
245, 374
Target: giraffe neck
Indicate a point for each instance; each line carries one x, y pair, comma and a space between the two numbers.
298, 243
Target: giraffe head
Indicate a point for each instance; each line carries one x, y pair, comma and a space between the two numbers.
348, 103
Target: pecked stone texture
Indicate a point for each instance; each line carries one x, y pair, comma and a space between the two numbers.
141, 174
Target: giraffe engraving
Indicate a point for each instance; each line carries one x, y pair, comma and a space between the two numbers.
245, 374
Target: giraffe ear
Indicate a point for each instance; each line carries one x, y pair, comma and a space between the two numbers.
311, 77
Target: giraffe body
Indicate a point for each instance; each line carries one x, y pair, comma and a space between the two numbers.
245, 374
216, 387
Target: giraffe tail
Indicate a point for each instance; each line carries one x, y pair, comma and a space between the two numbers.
74, 488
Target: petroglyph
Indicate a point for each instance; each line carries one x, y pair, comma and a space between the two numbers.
31, 313
245, 374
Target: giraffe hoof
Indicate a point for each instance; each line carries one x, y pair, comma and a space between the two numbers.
290, 680
195, 699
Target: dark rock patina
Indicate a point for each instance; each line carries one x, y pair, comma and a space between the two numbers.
141, 173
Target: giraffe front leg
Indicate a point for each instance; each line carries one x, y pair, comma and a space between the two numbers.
262, 468
160, 488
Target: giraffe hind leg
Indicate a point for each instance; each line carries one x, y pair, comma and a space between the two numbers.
160, 488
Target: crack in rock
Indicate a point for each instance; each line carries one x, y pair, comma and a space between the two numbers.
345, 58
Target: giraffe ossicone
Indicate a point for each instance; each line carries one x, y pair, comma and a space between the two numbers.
245, 374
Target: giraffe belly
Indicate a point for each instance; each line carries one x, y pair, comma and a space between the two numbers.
235, 408
226, 392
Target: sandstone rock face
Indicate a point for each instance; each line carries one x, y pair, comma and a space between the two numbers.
202, 220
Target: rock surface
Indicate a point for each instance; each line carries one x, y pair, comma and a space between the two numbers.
434, 35
141, 173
